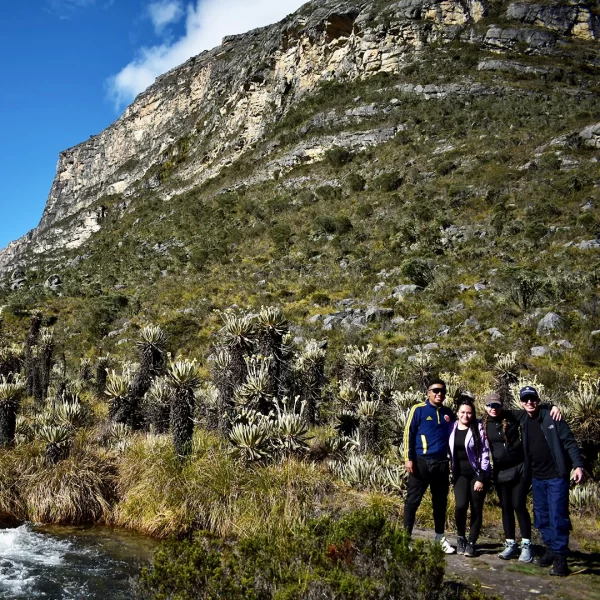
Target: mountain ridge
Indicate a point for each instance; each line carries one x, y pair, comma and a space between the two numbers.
161, 115
403, 180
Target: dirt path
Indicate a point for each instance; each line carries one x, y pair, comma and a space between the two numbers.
512, 579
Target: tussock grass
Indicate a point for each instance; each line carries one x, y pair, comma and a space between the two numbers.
12, 462
163, 495
79, 489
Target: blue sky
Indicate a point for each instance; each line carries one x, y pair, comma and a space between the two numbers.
70, 67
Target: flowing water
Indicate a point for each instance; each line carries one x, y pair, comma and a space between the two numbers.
61, 563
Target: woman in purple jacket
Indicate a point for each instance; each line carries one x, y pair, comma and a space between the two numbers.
471, 473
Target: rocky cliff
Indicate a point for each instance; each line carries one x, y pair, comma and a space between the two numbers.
205, 114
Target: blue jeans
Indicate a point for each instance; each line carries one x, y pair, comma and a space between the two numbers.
551, 513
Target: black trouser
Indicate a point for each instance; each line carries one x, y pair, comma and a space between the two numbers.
465, 497
513, 499
427, 473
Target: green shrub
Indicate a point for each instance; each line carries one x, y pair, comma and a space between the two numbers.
320, 298
524, 287
339, 225
446, 167
387, 182
199, 257
364, 211
338, 157
358, 556
342, 225
327, 192
281, 235
356, 182
306, 196
588, 222
325, 223
101, 312
418, 271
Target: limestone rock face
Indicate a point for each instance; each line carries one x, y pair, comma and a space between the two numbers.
205, 114
573, 18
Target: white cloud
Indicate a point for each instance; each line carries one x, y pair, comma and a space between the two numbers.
207, 22
164, 13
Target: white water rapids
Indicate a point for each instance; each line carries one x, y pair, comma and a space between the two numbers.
68, 563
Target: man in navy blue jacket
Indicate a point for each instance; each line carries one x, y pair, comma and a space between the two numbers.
550, 452
426, 459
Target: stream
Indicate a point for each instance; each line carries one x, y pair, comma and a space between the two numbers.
70, 562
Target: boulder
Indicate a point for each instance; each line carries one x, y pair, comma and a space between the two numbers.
549, 324
377, 313
591, 135
564, 344
353, 322
539, 350
468, 356
53, 281
17, 284
589, 245
401, 291
495, 333
472, 322
346, 302
333, 321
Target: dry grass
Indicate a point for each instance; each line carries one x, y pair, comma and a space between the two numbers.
79, 489
12, 463
164, 496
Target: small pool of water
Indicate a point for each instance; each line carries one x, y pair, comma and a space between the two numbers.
69, 562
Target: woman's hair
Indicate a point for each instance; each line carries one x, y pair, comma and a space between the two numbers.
474, 427
504, 427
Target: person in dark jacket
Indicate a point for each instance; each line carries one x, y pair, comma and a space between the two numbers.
550, 452
471, 473
426, 459
512, 485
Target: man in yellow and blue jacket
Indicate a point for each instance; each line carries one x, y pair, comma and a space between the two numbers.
426, 459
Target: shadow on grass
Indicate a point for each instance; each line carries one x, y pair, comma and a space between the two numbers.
586, 562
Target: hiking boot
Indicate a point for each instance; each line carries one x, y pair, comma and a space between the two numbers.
545, 560
461, 544
560, 568
526, 555
511, 550
470, 549
447, 547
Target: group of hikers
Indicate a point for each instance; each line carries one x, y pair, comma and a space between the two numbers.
514, 449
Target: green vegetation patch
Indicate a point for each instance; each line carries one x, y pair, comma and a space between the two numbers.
360, 555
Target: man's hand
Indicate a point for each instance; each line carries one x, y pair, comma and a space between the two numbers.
555, 413
578, 475
408, 465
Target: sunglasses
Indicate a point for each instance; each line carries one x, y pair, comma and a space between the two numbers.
530, 400
437, 390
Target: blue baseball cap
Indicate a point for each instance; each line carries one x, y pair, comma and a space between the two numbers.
527, 392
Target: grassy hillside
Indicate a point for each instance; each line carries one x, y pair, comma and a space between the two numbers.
487, 184
414, 224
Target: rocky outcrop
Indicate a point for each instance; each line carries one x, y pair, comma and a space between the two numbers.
573, 18
202, 116
590, 136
